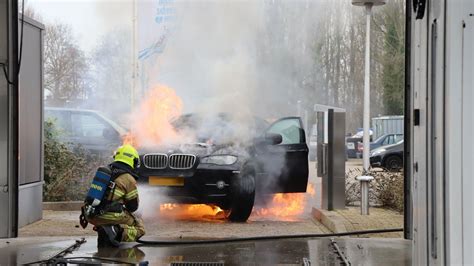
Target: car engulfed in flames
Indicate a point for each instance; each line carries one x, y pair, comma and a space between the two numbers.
223, 168
217, 163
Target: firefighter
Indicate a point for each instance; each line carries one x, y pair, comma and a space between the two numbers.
114, 220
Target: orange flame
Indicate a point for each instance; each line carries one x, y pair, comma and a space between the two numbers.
285, 206
191, 212
151, 121
151, 127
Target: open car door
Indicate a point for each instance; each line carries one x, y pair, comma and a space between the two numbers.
284, 164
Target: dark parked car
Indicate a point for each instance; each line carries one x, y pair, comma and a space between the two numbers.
226, 169
352, 145
386, 139
389, 157
89, 129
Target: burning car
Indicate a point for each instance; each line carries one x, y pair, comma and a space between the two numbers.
229, 162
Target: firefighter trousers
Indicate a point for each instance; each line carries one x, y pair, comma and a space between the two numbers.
132, 226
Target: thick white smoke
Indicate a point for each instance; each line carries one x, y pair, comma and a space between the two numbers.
241, 57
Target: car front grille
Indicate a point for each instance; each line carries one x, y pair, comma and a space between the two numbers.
155, 160
174, 161
182, 161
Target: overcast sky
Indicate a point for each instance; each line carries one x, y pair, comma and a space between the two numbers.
89, 19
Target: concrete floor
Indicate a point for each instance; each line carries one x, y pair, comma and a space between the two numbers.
59, 229
66, 223
269, 252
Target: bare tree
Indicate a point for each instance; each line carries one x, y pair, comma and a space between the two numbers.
112, 72
339, 56
112, 61
391, 23
65, 65
29, 11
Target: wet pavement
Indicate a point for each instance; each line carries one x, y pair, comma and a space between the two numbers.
317, 251
36, 243
66, 223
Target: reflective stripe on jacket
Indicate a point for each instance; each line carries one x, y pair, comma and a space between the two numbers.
125, 192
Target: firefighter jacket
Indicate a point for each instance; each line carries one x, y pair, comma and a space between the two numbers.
123, 196
125, 192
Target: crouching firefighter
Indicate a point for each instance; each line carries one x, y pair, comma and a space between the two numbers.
111, 200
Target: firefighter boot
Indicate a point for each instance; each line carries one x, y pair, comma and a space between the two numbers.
109, 236
102, 239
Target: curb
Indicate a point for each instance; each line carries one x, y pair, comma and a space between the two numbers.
330, 219
62, 206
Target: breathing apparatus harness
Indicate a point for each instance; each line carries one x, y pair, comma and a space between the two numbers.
102, 186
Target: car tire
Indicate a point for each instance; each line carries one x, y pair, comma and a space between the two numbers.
393, 163
242, 196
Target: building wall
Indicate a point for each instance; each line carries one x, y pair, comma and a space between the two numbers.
442, 63
4, 194
31, 124
459, 127
387, 125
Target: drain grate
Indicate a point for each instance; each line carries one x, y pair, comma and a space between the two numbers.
184, 263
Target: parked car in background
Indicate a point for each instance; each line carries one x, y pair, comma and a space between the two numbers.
386, 139
389, 124
351, 147
90, 129
360, 133
354, 147
389, 157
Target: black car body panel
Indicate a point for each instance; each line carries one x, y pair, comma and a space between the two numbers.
281, 167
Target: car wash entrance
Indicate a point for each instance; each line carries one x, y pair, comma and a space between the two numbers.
212, 122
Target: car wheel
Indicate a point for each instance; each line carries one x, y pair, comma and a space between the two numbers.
242, 196
393, 163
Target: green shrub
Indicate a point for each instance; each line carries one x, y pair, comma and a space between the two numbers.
68, 169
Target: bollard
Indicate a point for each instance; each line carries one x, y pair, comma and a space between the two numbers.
364, 193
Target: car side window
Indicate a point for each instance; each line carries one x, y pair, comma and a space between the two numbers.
289, 129
398, 137
88, 126
388, 140
60, 120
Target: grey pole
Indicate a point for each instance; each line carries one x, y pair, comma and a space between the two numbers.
364, 185
366, 138
364, 193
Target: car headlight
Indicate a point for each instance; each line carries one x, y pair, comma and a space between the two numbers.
220, 159
376, 152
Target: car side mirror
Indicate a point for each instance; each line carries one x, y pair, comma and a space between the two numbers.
109, 133
273, 139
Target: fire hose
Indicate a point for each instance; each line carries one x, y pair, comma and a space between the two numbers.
261, 238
